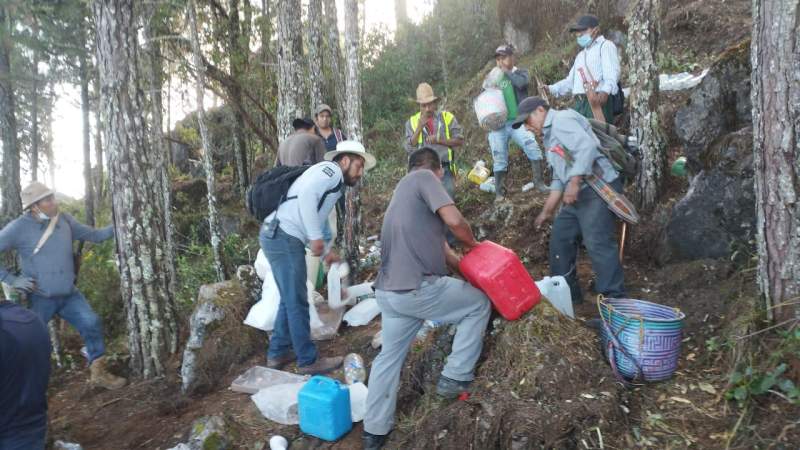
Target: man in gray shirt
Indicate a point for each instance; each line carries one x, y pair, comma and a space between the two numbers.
572, 152
413, 286
43, 239
303, 147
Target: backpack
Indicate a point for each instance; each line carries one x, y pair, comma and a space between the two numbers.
618, 148
270, 189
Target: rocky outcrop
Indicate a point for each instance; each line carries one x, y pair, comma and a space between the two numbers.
716, 217
217, 338
720, 104
208, 433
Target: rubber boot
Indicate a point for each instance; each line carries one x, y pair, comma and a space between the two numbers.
100, 375
538, 176
499, 186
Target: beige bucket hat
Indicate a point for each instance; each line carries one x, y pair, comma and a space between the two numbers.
353, 148
425, 94
33, 193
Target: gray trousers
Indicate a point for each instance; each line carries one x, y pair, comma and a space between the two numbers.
588, 220
443, 299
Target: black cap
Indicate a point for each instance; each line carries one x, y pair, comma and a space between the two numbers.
525, 108
585, 22
504, 50
302, 123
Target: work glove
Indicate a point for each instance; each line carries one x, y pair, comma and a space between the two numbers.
25, 284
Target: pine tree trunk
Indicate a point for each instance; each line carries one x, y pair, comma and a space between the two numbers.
238, 53
137, 205
352, 226
314, 45
290, 66
266, 35
643, 36
400, 14
98, 144
334, 52
776, 142
10, 183
443, 58
156, 82
35, 114
88, 195
208, 164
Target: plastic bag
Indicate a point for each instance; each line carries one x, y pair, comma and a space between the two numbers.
358, 401
493, 78
490, 108
362, 313
279, 403
256, 378
556, 291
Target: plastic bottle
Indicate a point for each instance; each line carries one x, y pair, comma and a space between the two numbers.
479, 173
679, 167
354, 371
488, 185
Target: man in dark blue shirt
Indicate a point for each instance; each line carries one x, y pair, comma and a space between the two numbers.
324, 128
24, 374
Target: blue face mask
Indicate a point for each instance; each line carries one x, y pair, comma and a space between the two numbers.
584, 40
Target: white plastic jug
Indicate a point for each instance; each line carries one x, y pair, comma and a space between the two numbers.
556, 290
362, 313
337, 281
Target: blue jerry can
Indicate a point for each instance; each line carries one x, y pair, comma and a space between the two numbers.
324, 408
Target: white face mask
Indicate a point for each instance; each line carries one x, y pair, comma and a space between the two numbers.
42, 216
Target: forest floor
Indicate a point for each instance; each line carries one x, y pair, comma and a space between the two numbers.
689, 410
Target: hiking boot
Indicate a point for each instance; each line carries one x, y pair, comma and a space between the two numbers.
281, 361
321, 366
373, 441
499, 186
100, 376
450, 388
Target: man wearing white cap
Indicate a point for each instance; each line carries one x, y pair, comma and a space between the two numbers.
298, 221
43, 240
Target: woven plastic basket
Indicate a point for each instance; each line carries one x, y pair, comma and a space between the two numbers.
642, 340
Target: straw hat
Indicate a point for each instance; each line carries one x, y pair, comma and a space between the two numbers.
425, 94
353, 148
33, 193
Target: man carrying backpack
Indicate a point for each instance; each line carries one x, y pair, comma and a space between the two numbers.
573, 153
594, 77
298, 221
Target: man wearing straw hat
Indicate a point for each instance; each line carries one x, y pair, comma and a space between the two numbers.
435, 129
298, 222
42, 237
572, 152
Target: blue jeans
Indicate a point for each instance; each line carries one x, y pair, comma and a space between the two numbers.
287, 256
76, 310
31, 439
589, 220
499, 140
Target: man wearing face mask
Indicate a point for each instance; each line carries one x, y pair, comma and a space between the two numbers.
595, 74
284, 234
42, 237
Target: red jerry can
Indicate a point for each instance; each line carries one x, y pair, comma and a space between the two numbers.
498, 272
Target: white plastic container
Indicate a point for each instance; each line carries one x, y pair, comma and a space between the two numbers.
556, 291
362, 313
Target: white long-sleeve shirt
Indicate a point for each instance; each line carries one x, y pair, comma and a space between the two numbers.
600, 59
300, 217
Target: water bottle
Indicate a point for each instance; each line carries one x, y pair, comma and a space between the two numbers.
354, 371
488, 185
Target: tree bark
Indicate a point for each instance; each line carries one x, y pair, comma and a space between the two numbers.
88, 195
152, 31
314, 45
775, 95
35, 109
208, 164
290, 64
238, 54
98, 143
400, 14
352, 226
10, 183
335, 58
137, 205
643, 36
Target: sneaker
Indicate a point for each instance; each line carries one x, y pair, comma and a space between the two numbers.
321, 366
281, 361
373, 441
450, 388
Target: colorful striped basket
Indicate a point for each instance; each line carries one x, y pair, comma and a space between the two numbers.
642, 340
